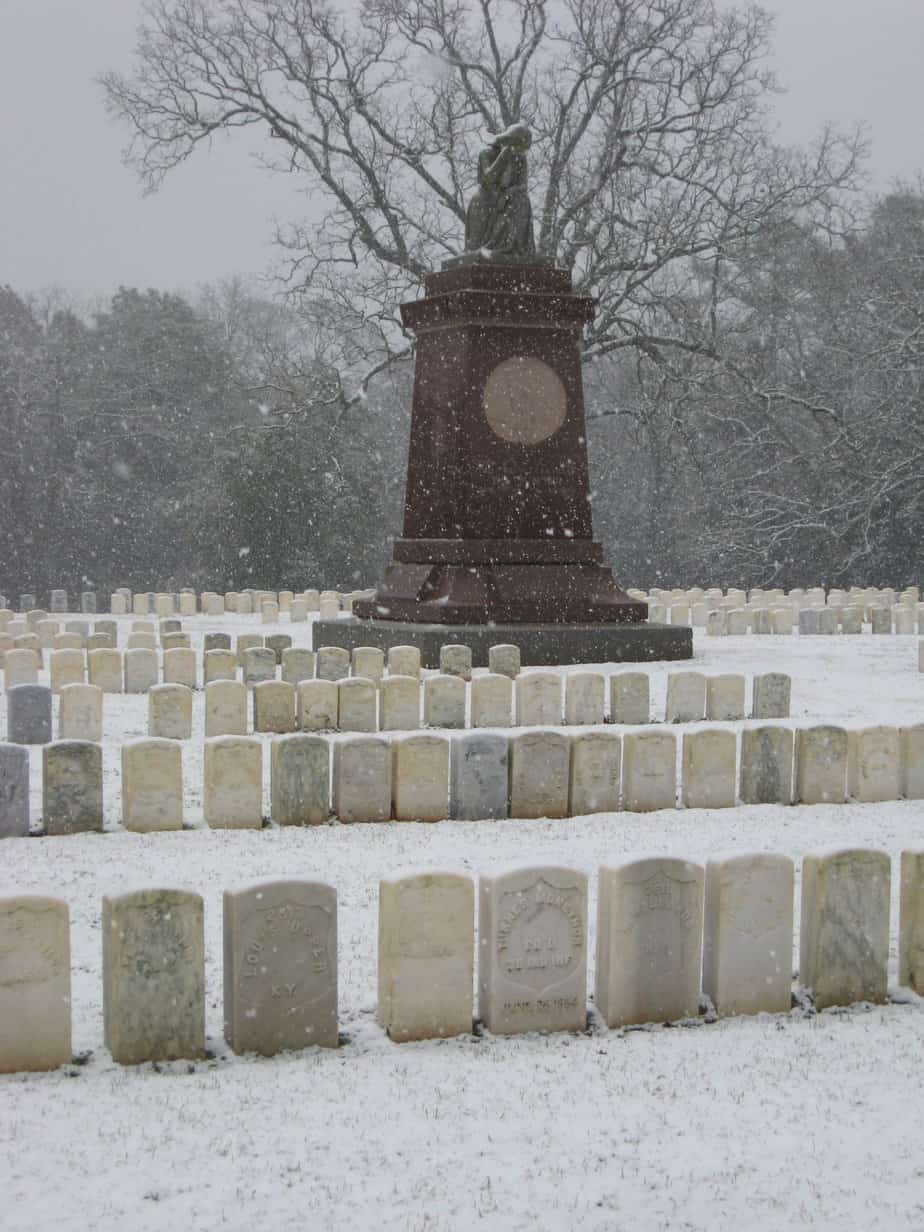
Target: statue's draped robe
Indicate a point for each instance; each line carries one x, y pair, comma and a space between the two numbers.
499, 217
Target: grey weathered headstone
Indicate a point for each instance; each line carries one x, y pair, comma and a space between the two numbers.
72, 787
766, 766
771, 696
35, 984
881, 619
216, 641
280, 967
479, 776
456, 660
911, 921
912, 761
14, 791
300, 780
844, 941
277, 643
259, 665
28, 714
297, 665
444, 701
404, 661
332, 663
245, 642
88, 602
175, 641
532, 949
153, 976
852, 620
504, 660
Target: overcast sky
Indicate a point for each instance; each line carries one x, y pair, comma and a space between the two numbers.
72, 215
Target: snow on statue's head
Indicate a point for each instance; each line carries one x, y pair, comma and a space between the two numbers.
517, 135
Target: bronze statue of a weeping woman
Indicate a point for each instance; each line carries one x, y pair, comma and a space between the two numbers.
499, 220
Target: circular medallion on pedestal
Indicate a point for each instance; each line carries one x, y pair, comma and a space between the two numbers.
525, 401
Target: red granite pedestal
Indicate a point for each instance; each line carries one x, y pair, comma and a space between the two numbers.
497, 519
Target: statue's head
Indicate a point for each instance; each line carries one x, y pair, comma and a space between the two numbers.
517, 135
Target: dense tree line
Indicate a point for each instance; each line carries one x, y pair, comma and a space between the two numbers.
162, 442
144, 446
797, 457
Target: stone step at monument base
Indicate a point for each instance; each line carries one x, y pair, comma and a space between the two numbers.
502, 581
540, 644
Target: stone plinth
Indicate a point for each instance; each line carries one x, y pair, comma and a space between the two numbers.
497, 521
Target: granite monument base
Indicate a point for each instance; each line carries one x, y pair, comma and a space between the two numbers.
540, 644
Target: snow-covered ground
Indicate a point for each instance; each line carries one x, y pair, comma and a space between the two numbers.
764, 1123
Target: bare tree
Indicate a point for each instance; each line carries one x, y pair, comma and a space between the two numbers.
652, 142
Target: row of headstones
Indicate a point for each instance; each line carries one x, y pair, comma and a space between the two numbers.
475, 776
903, 621
46, 634
58, 601
813, 596
187, 602
80, 634
666, 929
77, 637
268, 604
359, 704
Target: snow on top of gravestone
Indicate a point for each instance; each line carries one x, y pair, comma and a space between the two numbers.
529, 866
732, 853
269, 883
130, 889
419, 870
834, 850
